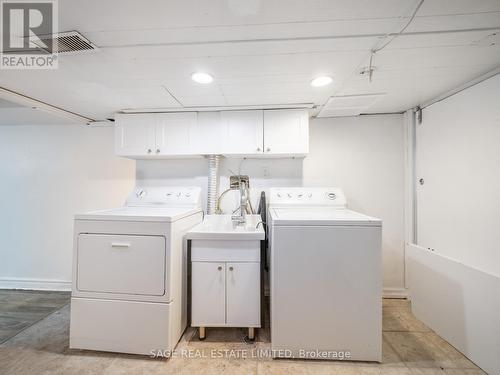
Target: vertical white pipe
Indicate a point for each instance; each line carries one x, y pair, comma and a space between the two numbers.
213, 183
410, 191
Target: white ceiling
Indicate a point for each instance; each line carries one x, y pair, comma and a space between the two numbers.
7, 104
262, 52
17, 114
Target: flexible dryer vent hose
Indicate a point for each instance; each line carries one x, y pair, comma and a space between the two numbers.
213, 183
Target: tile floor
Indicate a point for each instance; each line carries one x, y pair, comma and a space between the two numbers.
409, 347
20, 309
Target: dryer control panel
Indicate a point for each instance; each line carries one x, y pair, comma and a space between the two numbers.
307, 196
169, 196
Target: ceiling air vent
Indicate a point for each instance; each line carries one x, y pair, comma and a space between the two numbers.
67, 43
348, 105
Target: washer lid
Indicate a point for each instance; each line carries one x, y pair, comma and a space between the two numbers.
301, 216
137, 213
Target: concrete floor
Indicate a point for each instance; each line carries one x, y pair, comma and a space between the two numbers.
41, 347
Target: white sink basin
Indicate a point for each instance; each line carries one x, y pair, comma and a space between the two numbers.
221, 227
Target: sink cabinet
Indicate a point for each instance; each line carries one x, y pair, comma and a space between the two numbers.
243, 294
225, 284
208, 293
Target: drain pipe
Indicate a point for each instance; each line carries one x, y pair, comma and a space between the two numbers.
213, 183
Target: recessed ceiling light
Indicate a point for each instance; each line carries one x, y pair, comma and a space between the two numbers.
202, 77
321, 81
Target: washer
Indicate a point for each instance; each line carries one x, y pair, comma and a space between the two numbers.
325, 277
129, 287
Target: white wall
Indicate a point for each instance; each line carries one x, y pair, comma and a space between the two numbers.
264, 173
47, 174
455, 288
458, 156
366, 157
51, 172
363, 155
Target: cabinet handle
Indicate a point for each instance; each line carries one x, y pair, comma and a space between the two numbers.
219, 268
258, 149
149, 151
268, 149
120, 244
157, 150
231, 268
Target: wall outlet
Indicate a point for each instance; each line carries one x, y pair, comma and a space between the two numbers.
265, 172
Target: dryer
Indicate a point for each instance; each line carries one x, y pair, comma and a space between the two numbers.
129, 287
325, 277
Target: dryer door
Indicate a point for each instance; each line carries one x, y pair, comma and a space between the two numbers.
121, 264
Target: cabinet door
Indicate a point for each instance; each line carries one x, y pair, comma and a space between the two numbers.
208, 134
243, 132
208, 294
243, 294
173, 133
286, 132
135, 134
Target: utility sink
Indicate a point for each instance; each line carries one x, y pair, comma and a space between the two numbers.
221, 227
226, 267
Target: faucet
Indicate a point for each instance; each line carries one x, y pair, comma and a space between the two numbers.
241, 218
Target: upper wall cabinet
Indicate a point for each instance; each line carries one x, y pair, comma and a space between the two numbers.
154, 134
243, 132
135, 134
253, 133
208, 134
174, 133
286, 132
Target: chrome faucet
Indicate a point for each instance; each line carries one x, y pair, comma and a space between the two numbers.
241, 218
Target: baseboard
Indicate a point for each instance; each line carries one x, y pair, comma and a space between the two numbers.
34, 284
395, 293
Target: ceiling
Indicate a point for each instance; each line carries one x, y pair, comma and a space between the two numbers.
12, 113
6, 104
263, 52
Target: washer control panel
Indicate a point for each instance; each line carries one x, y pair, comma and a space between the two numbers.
305, 196
165, 196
